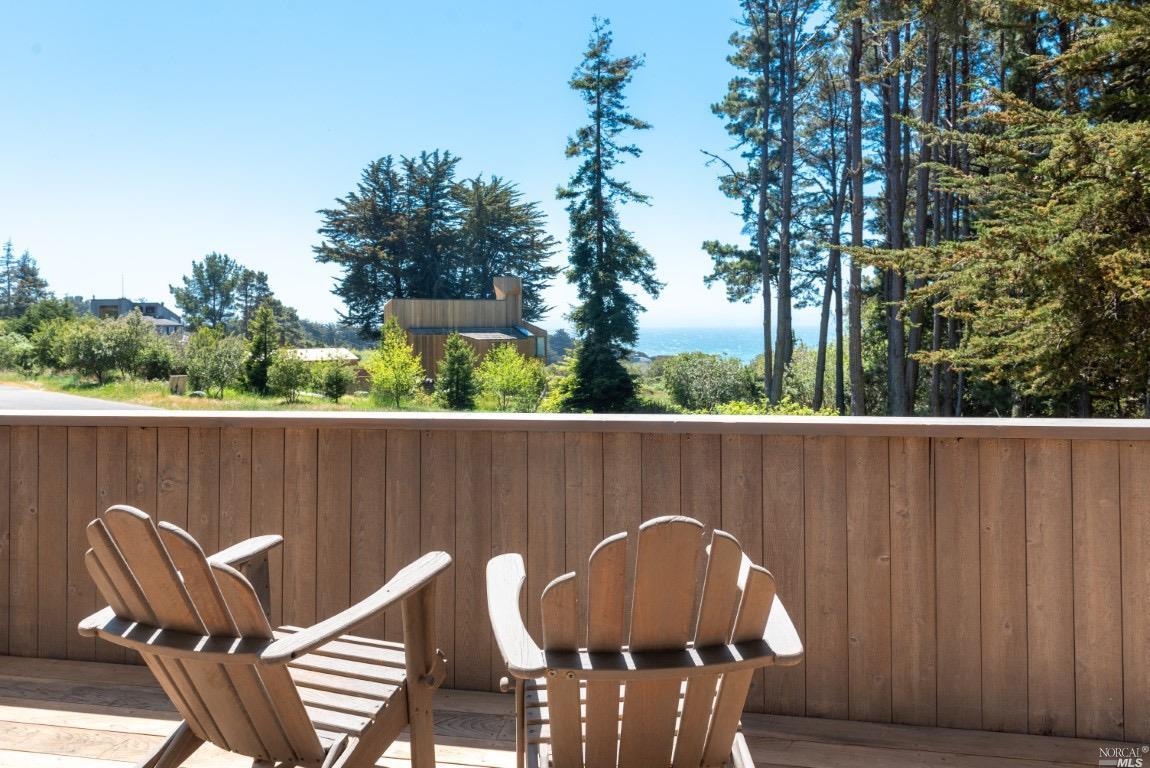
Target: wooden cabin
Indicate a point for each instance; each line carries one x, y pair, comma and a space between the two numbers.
483, 322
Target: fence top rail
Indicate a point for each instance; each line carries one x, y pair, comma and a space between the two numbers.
861, 426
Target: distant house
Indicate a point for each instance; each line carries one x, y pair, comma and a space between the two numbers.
165, 321
483, 322
324, 354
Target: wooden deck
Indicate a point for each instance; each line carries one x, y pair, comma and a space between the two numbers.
67, 714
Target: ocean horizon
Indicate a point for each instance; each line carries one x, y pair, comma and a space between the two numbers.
743, 343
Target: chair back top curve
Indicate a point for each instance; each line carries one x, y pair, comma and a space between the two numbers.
686, 722
159, 582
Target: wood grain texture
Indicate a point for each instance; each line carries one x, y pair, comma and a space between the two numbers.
437, 529
235, 485
472, 550
111, 488
583, 505
204, 487
5, 538
268, 505
1097, 575
1002, 510
508, 515
81, 599
912, 582
1135, 481
661, 475
141, 478
546, 526
333, 522
869, 578
742, 514
299, 519
403, 519
172, 475
52, 546
958, 579
784, 545
368, 521
1050, 587
826, 640
23, 532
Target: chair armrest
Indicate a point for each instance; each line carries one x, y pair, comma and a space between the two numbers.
410, 580
782, 636
238, 555
505, 577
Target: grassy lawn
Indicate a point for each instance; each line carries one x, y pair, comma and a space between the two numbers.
156, 395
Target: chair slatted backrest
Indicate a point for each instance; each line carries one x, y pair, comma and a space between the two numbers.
159, 576
684, 723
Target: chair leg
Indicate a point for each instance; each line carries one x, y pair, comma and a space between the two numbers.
740, 755
175, 750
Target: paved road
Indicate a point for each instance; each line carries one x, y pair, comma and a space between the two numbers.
21, 399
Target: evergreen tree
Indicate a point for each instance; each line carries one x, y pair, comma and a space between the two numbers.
263, 341
207, 297
411, 230
455, 384
395, 368
7, 274
605, 258
28, 287
251, 292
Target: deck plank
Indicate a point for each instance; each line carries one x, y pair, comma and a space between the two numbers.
72, 714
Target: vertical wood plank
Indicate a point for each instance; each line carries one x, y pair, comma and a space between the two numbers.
1097, 580
141, 470
81, 511
403, 520
172, 475
912, 606
546, 527
204, 487
1050, 587
784, 543
622, 481
869, 582
5, 539
111, 488
1002, 510
701, 478
827, 647
52, 547
368, 520
333, 522
472, 549
23, 530
1135, 481
661, 475
957, 569
508, 511
299, 566
742, 513
268, 505
583, 506
437, 531
235, 485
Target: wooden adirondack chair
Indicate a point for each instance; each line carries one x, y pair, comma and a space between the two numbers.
286, 696
666, 691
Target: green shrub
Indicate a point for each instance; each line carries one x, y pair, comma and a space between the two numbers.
702, 382
214, 361
17, 353
88, 347
156, 360
456, 386
288, 375
334, 379
514, 380
264, 333
396, 371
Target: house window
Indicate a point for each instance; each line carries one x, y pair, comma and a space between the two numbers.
541, 346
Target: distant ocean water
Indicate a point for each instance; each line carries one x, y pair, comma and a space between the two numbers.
743, 343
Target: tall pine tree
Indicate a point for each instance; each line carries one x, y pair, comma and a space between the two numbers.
605, 258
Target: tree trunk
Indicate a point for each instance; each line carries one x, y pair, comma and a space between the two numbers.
927, 114
762, 232
894, 283
855, 170
824, 322
787, 159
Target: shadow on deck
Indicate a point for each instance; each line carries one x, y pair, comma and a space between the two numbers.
68, 714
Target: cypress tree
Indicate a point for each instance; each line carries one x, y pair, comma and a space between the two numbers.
455, 386
262, 345
605, 258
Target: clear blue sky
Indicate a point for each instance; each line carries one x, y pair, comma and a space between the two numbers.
138, 136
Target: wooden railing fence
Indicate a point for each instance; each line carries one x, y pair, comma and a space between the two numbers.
974, 574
